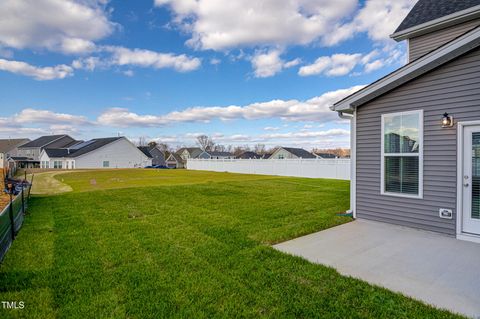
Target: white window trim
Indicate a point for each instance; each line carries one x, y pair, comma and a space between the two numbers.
420, 156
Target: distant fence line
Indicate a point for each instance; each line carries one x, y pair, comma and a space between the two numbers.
11, 220
310, 168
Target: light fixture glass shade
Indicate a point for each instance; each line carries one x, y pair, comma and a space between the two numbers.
447, 120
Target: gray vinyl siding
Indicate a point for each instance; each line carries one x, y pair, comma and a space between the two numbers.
158, 156
452, 88
423, 44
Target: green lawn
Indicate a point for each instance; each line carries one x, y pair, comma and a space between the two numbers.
187, 245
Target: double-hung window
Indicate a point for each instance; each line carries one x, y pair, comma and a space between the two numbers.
402, 154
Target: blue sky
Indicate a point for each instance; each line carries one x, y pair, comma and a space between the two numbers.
168, 70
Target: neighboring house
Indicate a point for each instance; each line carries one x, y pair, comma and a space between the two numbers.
31, 150
415, 133
326, 155
111, 152
155, 153
9, 148
216, 155
249, 155
291, 153
180, 157
175, 161
189, 152
266, 155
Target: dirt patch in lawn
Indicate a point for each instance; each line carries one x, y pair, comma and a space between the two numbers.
47, 184
4, 200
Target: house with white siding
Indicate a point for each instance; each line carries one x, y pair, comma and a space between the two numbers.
28, 154
112, 152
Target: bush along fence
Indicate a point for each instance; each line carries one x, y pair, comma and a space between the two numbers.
12, 216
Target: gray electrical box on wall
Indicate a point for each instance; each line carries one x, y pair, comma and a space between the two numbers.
445, 213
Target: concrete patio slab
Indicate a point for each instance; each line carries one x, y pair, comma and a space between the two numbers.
439, 270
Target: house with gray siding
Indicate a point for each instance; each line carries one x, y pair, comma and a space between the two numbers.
155, 153
28, 155
415, 133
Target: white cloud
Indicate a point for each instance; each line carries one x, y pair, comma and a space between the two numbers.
343, 64
309, 134
378, 18
214, 25
271, 128
335, 65
315, 109
38, 73
121, 56
272, 23
36, 116
267, 64
60, 25
215, 61
34, 122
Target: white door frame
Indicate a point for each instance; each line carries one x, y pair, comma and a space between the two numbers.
460, 151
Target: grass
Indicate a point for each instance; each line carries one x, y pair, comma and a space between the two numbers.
188, 245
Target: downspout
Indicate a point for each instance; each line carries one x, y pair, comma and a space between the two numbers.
353, 158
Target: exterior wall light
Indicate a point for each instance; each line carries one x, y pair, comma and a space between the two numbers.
447, 120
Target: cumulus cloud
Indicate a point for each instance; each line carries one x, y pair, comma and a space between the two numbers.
385, 13
34, 122
59, 25
267, 64
335, 65
121, 56
247, 23
148, 58
37, 116
343, 64
38, 73
315, 109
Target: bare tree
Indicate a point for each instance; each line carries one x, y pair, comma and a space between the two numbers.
205, 142
259, 149
164, 147
142, 141
219, 148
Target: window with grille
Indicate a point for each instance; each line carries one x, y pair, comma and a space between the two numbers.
402, 154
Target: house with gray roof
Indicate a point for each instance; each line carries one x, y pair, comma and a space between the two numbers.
291, 153
32, 149
110, 152
216, 155
415, 133
9, 148
174, 160
157, 155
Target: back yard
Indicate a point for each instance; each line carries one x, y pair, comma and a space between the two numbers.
177, 243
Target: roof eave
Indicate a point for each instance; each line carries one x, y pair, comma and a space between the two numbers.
437, 24
416, 68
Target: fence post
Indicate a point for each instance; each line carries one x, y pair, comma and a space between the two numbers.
12, 220
30, 188
23, 200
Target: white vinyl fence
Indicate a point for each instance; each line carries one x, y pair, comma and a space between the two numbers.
312, 168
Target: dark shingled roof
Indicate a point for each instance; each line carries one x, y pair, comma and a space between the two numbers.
146, 150
249, 155
56, 152
299, 152
224, 154
43, 141
7, 145
428, 10
75, 152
